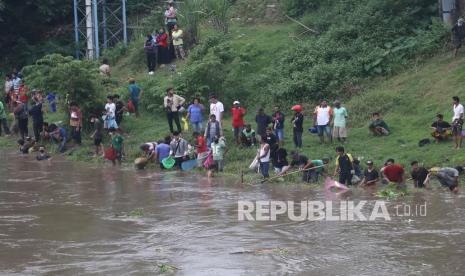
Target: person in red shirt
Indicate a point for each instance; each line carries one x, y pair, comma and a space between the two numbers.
23, 93
200, 144
238, 123
393, 172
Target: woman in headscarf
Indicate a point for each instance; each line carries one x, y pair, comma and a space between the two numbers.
164, 56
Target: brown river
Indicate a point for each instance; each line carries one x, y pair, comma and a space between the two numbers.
63, 218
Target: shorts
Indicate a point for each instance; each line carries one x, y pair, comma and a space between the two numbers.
279, 132
457, 127
324, 129
339, 132
218, 166
97, 141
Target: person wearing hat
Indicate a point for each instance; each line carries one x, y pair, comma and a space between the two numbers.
339, 122
458, 34
448, 177
370, 175
298, 128
238, 114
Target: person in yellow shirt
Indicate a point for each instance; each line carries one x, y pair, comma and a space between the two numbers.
178, 43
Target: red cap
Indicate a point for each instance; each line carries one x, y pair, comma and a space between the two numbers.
297, 108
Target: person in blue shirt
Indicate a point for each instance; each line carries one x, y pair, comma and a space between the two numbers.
162, 150
195, 114
59, 136
135, 93
51, 102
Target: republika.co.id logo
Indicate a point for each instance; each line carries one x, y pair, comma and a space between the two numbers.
325, 210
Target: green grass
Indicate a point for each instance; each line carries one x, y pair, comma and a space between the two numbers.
408, 102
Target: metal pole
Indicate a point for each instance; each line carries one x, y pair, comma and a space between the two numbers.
89, 30
125, 31
76, 28
104, 24
97, 49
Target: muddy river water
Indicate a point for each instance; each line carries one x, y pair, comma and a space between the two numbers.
62, 218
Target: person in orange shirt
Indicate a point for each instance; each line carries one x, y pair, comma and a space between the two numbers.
238, 114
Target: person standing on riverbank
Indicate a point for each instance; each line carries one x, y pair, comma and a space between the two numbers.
164, 56
110, 109
21, 117
218, 151
75, 122
340, 122
3, 120
117, 142
264, 157
212, 130
37, 116
97, 135
216, 108
135, 94
457, 122
172, 103
178, 42
195, 114
238, 114
151, 51
322, 118
278, 119
298, 129
263, 121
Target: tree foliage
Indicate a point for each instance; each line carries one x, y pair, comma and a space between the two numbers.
75, 80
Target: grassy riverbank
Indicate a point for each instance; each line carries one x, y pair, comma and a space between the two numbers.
408, 102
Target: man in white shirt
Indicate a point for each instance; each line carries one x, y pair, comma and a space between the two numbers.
173, 103
322, 118
216, 108
457, 122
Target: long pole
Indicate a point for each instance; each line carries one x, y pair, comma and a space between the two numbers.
97, 49
104, 24
89, 30
125, 31
76, 28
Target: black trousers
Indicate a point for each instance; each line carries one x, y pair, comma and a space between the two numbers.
173, 116
152, 61
37, 127
22, 126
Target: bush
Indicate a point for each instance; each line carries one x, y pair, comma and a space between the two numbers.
74, 80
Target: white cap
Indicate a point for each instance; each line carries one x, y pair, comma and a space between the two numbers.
236, 102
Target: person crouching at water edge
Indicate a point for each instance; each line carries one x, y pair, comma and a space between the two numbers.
393, 173
179, 149
218, 150
448, 177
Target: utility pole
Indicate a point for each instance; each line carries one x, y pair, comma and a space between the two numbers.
89, 30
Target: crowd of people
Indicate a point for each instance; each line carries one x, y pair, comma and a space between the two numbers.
165, 44
266, 134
